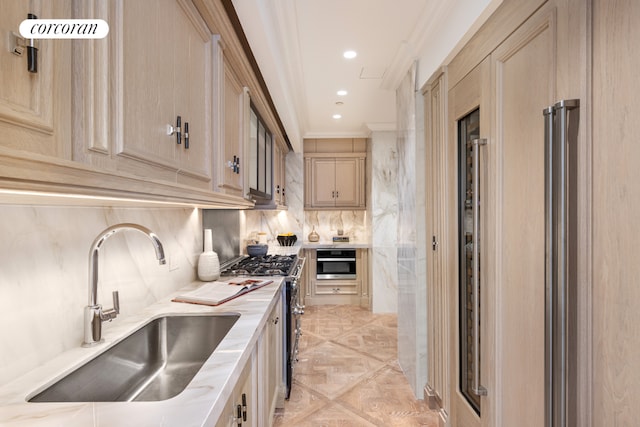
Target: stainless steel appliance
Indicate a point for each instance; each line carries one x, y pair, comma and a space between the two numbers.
292, 267
335, 264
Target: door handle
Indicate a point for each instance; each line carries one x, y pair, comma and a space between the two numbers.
558, 272
476, 201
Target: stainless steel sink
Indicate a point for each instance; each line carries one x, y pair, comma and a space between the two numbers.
156, 362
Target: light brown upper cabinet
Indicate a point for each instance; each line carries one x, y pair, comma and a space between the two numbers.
35, 106
230, 156
146, 82
335, 174
279, 175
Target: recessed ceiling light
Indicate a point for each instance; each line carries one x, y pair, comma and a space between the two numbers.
342, 92
350, 54
337, 116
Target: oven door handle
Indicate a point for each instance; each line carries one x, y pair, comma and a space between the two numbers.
336, 259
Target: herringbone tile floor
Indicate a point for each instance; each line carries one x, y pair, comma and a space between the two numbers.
348, 375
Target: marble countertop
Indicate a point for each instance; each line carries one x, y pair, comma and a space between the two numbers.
201, 403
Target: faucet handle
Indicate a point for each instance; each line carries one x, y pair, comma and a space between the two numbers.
116, 302
111, 313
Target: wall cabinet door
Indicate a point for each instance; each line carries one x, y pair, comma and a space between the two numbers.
145, 76
347, 182
166, 73
323, 178
279, 175
35, 108
230, 159
336, 182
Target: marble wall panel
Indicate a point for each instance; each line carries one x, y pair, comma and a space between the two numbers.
44, 275
384, 217
412, 342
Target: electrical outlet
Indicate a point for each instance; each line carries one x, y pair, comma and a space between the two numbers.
173, 263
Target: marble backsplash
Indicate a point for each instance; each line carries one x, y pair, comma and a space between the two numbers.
326, 224
44, 276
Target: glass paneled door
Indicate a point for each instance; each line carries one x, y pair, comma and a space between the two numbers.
468, 132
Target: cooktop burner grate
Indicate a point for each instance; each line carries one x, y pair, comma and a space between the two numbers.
267, 265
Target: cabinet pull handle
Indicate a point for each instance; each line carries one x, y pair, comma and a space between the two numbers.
476, 388
186, 135
171, 130
17, 45
234, 164
244, 407
178, 130
239, 416
32, 51
559, 242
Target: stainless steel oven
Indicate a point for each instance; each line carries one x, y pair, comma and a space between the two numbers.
335, 264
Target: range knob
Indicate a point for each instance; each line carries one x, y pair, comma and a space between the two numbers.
298, 310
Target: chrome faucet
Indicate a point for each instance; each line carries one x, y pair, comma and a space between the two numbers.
94, 315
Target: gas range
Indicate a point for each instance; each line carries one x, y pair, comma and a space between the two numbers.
291, 267
267, 265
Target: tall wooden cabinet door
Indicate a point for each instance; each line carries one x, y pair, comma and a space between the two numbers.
437, 294
324, 176
35, 108
469, 117
348, 182
616, 207
524, 83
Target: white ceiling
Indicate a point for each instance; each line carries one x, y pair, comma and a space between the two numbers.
298, 45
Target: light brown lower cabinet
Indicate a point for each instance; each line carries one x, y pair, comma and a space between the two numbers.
260, 388
240, 408
342, 291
